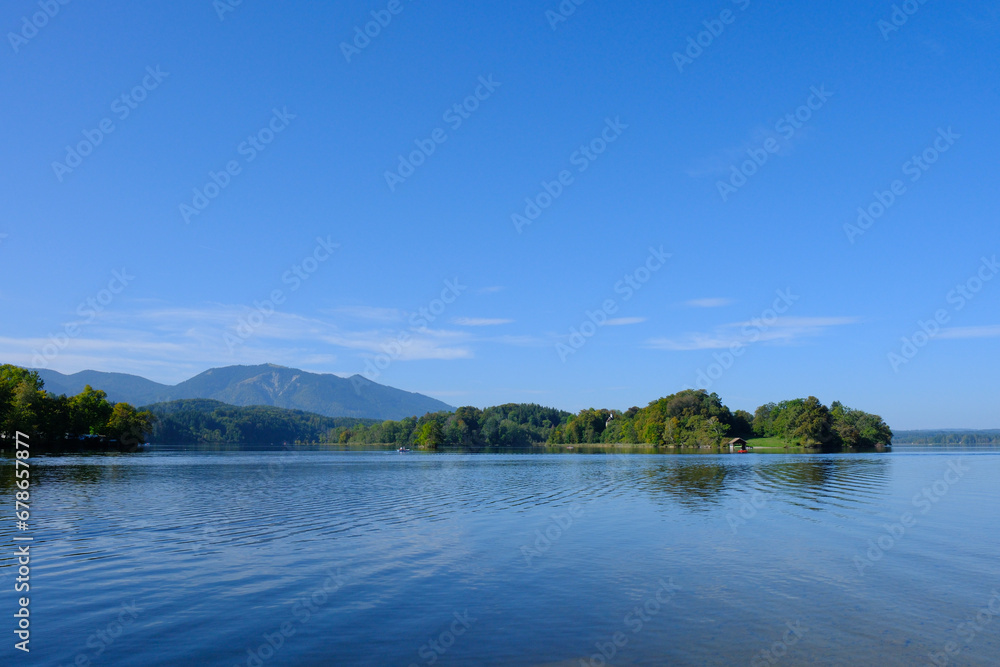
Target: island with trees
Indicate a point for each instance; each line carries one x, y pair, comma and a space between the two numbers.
690, 419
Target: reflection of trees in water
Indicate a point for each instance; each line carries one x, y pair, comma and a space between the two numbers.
696, 485
700, 485
813, 476
85, 474
40, 474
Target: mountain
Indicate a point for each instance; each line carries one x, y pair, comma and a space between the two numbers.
323, 394
119, 386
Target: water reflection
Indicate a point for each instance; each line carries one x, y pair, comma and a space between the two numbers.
702, 485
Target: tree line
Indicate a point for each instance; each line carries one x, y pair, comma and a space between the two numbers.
809, 422
509, 425
25, 406
687, 419
205, 421
987, 437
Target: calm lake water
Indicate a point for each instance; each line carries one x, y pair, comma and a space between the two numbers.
374, 558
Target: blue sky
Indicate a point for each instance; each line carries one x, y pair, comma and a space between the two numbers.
631, 139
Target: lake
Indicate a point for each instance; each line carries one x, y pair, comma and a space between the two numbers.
378, 558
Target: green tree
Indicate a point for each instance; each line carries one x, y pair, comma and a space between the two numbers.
89, 411
128, 425
431, 435
21, 399
813, 424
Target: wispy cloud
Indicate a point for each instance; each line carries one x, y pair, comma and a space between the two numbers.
480, 321
784, 330
370, 313
991, 331
709, 303
721, 161
169, 344
516, 341
406, 345
624, 321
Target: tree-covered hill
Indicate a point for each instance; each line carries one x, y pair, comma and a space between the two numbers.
944, 437
200, 421
509, 425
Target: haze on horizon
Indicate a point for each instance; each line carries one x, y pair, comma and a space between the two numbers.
766, 201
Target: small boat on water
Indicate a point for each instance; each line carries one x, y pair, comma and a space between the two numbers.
403, 450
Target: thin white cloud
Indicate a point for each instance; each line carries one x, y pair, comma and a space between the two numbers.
783, 330
170, 344
624, 321
407, 345
480, 321
370, 313
709, 303
720, 162
992, 331
517, 341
